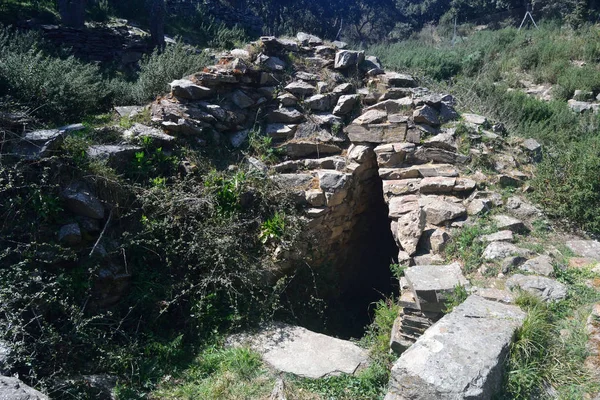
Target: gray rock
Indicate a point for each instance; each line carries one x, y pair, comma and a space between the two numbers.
142, 131
501, 250
288, 100
301, 88
339, 44
438, 241
241, 99
308, 39
393, 154
460, 357
437, 185
188, 90
504, 222
285, 115
510, 263
80, 201
425, 155
400, 80
585, 248
532, 148
393, 106
409, 230
376, 133
70, 234
400, 205
580, 106
298, 351
128, 111
475, 119
280, 131
438, 211
522, 209
301, 149
14, 389
445, 141
479, 206
117, 156
540, 265
334, 184
492, 294
502, 236
238, 138
345, 59
426, 115
545, 288
271, 63
318, 102
293, 181
432, 284
371, 117
346, 104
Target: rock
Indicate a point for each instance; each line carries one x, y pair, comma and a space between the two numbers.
438, 211
280, 131
293, 181
521, 209
345, 59
502, 236
339, 44
315, 197
437, 185
409, 230
128, 111
318, 102
285, 115
508, 181
394, 107
14, 389
393, 154
271, 63
371, 117
501, 250
117, 156
425, 155
325, 51
545, 288
346, 104
533, 149
461, 357
445, 141
80, 201
307, 39
186, 89
376, 133
70, 234
475, 119
238, 138
254, 164
479, 206
298, 351
143, 131
301, 88
579, 106
585, 248
540, 265
288, 100
278, 392
302, 149
492, 294
438, 241
400, 205
396, 80
510, 263
504, 222
426, 115
432, 284
429, 259
242, 100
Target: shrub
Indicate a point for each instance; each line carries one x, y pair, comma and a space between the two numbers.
57, 89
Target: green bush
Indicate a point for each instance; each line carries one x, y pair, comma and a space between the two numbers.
57, 89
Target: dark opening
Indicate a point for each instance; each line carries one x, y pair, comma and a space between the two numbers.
366, 276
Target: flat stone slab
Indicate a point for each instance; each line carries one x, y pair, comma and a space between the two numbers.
14, 389
501, 250
304, 353
505, 222
460, 357
431, 284
585, 248
502, 236
541, 265
545, 288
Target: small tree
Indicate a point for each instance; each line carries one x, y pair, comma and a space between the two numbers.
72, 12
157, 23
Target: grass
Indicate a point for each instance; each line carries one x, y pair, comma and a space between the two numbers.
467, 247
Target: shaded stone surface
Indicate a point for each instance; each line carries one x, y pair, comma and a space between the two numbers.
432, 284
304, 353
460, 357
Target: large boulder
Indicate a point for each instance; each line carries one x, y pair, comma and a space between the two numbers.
80, 201
298, 351
585, 248
186, 89
460, 357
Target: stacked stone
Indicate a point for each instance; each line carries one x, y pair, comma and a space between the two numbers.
423, 301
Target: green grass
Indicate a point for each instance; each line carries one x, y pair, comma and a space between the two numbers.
466, 246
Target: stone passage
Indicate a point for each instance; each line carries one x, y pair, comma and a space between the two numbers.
460, 357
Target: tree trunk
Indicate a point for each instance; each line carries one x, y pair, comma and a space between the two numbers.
157, 23
72, 13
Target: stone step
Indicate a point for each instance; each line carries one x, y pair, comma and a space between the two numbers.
432, 284
460, 357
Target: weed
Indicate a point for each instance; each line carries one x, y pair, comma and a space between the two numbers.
456, 298
398, 270
466, 245
273, 229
